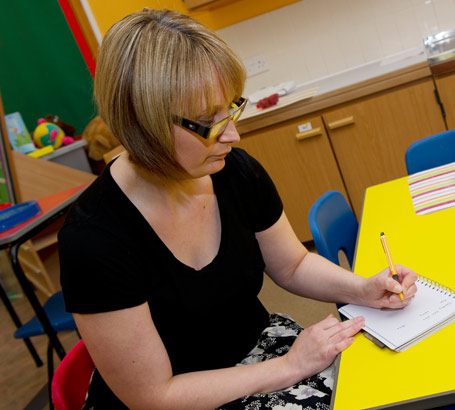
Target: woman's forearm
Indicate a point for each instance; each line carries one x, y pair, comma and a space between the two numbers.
318, 278
212, 388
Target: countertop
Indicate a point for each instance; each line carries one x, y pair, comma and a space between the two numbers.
337, 88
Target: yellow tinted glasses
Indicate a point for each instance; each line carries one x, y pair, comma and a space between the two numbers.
215, 130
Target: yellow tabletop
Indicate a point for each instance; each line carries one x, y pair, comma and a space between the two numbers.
371, 377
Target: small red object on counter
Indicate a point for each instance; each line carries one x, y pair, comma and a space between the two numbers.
268, 101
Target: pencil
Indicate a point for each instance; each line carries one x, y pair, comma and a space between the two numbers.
393, 271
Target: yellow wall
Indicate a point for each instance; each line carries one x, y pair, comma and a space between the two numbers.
107, 12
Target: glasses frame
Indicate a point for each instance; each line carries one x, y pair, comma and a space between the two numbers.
204, 131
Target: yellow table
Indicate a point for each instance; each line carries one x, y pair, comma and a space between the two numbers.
424, 375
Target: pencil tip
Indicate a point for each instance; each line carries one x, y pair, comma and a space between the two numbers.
382, 233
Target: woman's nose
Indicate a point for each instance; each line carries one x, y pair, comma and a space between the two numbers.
230, 134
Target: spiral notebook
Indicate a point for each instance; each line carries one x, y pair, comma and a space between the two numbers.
432, 308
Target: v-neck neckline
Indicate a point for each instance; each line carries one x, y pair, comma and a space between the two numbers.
208, 267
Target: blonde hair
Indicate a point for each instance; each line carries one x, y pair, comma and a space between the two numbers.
153, 67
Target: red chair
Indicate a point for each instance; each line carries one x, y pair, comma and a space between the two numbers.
72, 378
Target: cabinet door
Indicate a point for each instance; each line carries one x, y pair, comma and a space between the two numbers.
370, 136
301, 164
446, 89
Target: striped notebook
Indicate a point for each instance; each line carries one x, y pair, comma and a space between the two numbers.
433, 189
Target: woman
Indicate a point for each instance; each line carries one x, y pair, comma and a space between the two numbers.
174, 236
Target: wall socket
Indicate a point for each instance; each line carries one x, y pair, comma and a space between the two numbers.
255, 65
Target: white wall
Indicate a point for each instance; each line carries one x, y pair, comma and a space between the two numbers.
314, 38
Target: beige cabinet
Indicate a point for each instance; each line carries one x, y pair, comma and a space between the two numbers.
370, 136
301, 163
446, 89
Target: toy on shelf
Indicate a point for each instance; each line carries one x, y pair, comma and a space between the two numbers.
99, 138
50, 134
47, 133
68, 129
48, 149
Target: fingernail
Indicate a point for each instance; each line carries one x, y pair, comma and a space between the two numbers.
397, 288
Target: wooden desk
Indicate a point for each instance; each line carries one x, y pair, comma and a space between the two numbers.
38, 178
421, 377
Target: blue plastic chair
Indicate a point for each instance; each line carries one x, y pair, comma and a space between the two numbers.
333, 226
430, 152
60, 320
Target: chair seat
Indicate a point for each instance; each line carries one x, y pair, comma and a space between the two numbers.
55, 311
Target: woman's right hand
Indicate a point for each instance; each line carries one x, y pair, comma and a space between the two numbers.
317, 346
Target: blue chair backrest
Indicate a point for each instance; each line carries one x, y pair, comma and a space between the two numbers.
430, 152
333, 226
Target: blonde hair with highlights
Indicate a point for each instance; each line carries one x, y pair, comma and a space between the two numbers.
153, 67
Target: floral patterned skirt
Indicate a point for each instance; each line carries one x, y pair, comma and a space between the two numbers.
311, 393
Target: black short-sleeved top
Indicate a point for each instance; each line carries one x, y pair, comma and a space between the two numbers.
111, 258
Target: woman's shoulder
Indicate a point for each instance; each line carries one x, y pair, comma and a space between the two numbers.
239, 161
247, 179
101, 210
101, 196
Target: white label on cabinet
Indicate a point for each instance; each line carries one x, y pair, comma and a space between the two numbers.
305, 127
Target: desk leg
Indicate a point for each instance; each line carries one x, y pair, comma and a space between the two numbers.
17, 322
36, 305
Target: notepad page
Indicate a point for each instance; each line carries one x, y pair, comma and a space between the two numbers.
431, 306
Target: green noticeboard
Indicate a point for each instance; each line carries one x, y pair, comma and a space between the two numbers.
41, 68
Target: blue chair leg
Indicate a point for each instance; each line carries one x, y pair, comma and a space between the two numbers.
18, 323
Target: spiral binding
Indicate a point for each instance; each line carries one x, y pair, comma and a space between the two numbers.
445, 290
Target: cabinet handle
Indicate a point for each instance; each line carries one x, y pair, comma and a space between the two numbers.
308, 134
341, 123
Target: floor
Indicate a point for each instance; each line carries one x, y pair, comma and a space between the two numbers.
21, 380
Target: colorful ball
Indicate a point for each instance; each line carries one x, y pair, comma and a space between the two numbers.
48, 133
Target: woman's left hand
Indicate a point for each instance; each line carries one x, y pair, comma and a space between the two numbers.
382, 291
